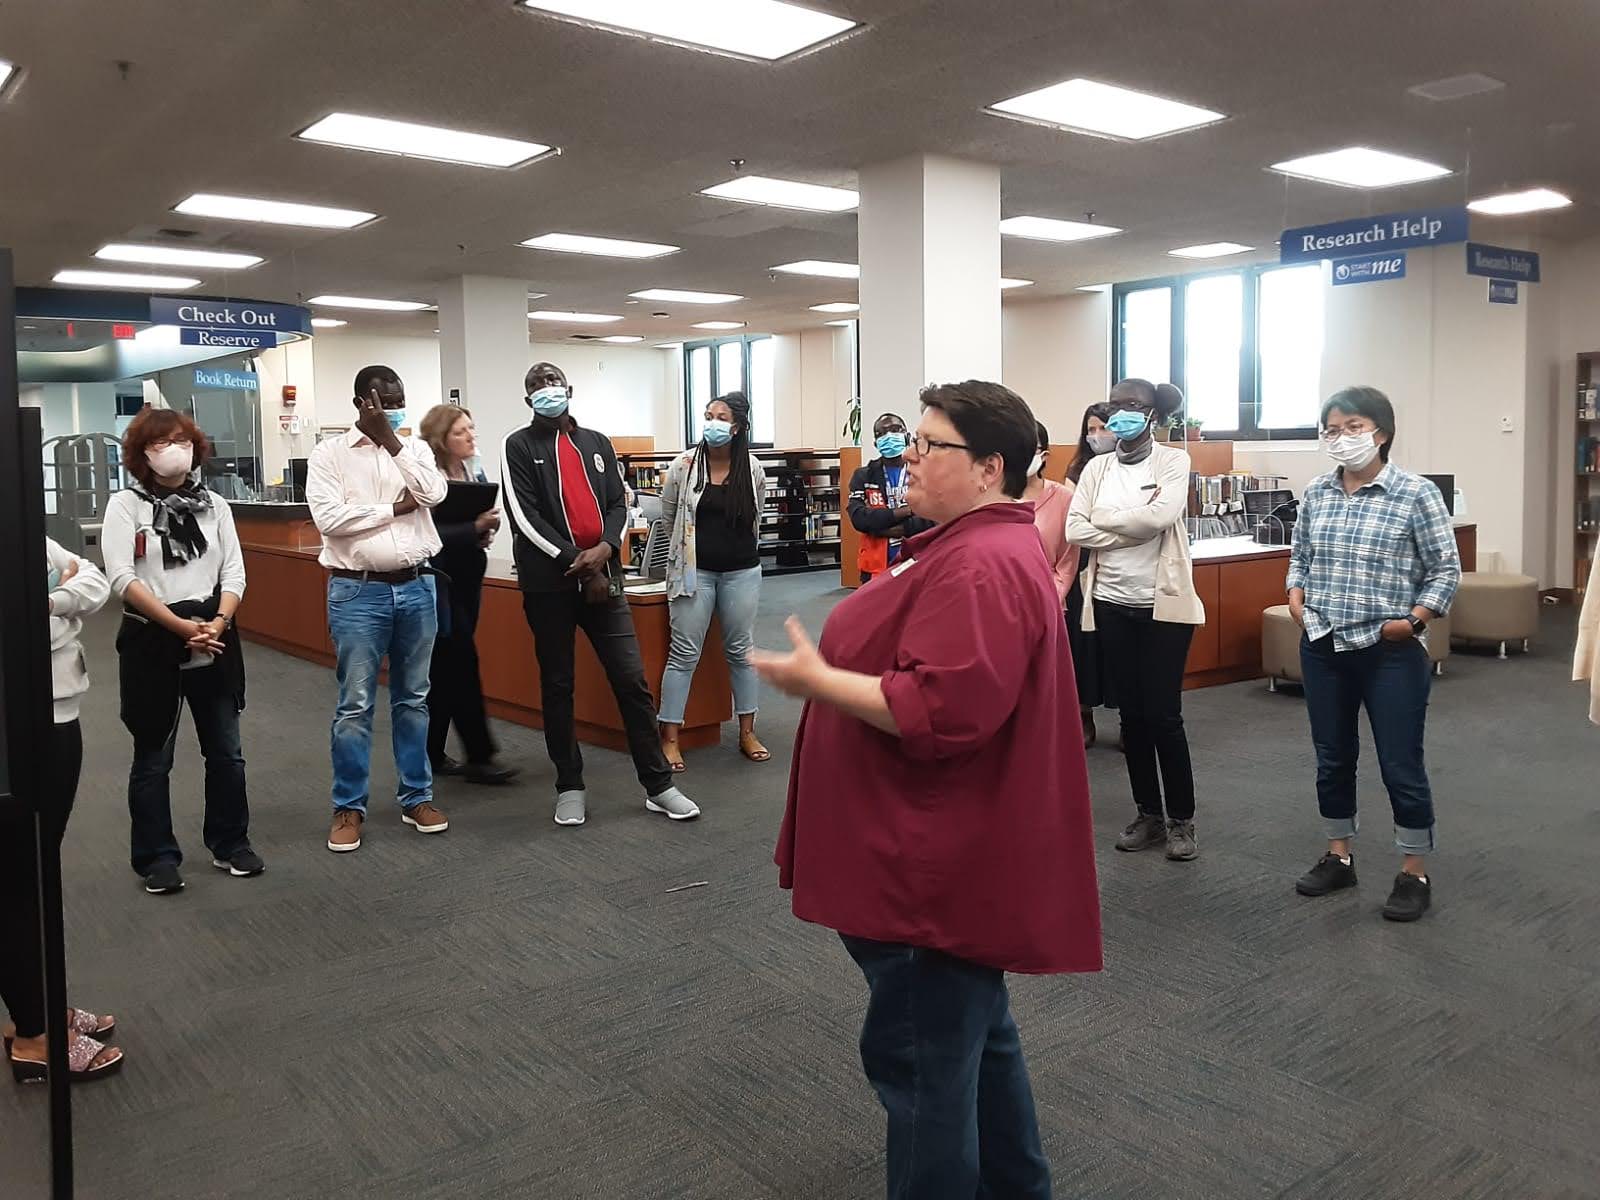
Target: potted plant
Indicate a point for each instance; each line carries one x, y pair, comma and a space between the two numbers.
1191, 429
852, 423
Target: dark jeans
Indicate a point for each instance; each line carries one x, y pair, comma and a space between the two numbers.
21, 951
456, 693
227, 821
1392, 680
555, 618
942, 1052
1146, 657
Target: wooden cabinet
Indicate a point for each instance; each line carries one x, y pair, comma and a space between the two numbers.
1205, 649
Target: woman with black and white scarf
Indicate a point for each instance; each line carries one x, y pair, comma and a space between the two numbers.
172, 556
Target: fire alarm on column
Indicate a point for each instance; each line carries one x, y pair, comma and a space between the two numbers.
289, 393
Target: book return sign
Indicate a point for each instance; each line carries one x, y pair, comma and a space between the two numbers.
1383, 234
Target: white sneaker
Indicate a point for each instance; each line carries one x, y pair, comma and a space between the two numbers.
570, 807
674, 804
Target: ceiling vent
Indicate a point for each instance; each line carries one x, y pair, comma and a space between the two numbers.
583, 337
181, 234
1457, 87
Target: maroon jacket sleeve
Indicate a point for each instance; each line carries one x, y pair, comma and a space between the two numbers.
960, 666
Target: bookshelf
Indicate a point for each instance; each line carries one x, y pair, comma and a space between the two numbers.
801, 520
1586, 464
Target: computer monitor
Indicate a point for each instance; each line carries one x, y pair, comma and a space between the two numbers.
1447, 488
297, 477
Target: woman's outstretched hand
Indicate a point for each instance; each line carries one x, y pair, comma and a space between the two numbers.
796, 672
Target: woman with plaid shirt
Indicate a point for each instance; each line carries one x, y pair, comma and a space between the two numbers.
1374, 561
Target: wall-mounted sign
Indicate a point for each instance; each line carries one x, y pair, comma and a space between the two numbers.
233, 381
1369, 268
1502, 291
228, 314
1372, 235
227, 339
1502, 262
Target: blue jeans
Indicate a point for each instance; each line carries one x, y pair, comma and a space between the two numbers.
733, 597
1392, 680
226, 831
942, 1052
369, 620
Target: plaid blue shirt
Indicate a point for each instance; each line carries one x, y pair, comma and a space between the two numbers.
1373, 556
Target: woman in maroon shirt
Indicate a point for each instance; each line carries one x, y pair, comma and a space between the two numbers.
938, 813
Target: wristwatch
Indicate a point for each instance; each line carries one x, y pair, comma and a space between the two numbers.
1418, 625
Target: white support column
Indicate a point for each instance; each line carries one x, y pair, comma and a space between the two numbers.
483, 342
929, 249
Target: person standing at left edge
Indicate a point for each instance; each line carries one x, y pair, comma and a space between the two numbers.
565, 496
369, 494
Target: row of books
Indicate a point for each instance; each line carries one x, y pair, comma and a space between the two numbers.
1589, 514
1589, 402
1588, 455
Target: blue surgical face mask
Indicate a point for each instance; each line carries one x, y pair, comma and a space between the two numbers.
1127, 424
718, 433
55, 579
892, 444
549, 401
396, 417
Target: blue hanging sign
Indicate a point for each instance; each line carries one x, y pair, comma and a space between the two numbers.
228, 314
1371, 235
1370, 268
1502, 291
227, 339
1502, 262
233, 381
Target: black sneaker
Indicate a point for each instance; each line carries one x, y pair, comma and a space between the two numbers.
1145, 832
447, 766
1409, 900
241, 864
163, 879
488, 774
1329, 875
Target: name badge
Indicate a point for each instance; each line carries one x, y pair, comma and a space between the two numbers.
903, 565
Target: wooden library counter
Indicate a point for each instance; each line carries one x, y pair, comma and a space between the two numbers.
285, 607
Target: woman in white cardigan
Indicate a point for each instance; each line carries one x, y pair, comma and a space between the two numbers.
1138, 585
712, 502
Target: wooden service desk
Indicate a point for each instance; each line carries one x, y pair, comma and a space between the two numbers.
285, 607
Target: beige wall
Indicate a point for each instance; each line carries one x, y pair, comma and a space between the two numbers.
1057, 356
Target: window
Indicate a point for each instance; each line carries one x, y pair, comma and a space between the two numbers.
718, 366
1245, 346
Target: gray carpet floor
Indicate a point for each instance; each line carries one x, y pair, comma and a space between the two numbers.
518, 1010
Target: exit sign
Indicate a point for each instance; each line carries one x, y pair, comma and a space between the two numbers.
123, 333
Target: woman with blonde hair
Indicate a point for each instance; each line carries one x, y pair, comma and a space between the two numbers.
456, 693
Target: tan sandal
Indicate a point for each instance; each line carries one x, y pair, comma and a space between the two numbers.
750, 746
674, 757
87, 1059
79, 1021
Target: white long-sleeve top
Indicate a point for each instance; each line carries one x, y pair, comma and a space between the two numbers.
352, 484
83, 594
128, 515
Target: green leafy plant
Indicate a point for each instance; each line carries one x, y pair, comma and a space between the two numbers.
852, 423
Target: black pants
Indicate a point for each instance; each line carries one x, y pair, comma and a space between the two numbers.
455, 695
555, 618
21, 951
214, 706
1145, 657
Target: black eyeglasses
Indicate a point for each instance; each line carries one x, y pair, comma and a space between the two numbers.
924, 444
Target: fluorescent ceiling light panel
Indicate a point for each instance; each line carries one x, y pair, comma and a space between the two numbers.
669, 345
834, 306
572, 318
125, 279
785, 193
720, 325
1048, 229
1084, 106
6, 71
763, 29
328, 323
369, 303
1095, 287
1209, 250
1361, 167
682, 297
620, 338
1510, 203
383, 136
838, 322
829, 270
1007, 284
577, 243
272, 212
176, 256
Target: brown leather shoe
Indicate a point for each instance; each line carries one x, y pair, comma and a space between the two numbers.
346, 833
425, 818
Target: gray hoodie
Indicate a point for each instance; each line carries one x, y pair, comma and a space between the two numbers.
85, 593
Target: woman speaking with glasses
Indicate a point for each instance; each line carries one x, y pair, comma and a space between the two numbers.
937, 819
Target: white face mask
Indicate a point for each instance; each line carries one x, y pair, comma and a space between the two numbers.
1033, 466
1353, 451
172, 460
1102, 441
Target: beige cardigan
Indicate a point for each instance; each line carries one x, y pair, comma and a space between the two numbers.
1586, 657
1096, 527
